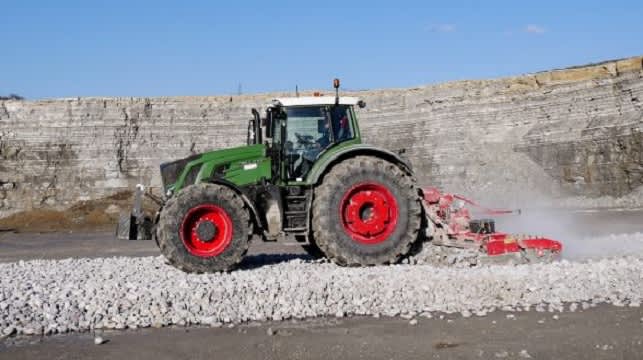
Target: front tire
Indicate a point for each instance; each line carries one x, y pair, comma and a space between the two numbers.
366, 211
204, 228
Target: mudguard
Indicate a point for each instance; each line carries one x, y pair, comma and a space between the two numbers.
327, 160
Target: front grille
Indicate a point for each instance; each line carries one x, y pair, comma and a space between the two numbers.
170, 171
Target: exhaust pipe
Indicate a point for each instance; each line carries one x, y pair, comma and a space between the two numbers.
257, 123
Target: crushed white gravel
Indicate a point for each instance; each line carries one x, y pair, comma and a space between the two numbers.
58, 296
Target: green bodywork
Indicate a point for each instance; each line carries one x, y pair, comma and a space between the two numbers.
240, 169
240, 166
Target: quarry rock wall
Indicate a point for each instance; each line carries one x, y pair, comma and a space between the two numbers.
564, 137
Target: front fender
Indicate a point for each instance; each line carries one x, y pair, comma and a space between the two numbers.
257, 219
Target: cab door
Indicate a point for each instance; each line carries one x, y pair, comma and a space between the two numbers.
277, 125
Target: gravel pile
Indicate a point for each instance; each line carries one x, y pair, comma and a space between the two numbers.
45, 296
441, 256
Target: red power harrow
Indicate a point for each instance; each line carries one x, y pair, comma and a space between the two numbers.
450, 224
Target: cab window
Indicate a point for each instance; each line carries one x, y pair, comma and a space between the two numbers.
341, 122
309, 131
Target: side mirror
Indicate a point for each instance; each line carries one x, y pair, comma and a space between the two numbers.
361, 104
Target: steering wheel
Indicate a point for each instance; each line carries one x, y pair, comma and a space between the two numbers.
305, 139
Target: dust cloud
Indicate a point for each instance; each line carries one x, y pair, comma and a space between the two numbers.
584, 234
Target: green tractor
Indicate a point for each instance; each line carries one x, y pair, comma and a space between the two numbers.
304, 177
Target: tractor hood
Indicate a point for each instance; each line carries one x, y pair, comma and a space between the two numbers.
203, 167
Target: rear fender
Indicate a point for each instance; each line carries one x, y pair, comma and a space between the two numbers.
327, 161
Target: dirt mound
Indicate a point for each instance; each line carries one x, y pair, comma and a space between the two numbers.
99, 214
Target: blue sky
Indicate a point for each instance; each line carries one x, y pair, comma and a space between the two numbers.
161, 48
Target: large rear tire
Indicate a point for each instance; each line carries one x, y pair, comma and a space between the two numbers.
204, 228
366, 211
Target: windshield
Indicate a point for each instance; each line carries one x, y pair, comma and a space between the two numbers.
316, 122
309, 123
310, 131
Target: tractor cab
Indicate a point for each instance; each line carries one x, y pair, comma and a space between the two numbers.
302, 129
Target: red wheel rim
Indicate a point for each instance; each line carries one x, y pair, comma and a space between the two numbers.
369, 213
206, 230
